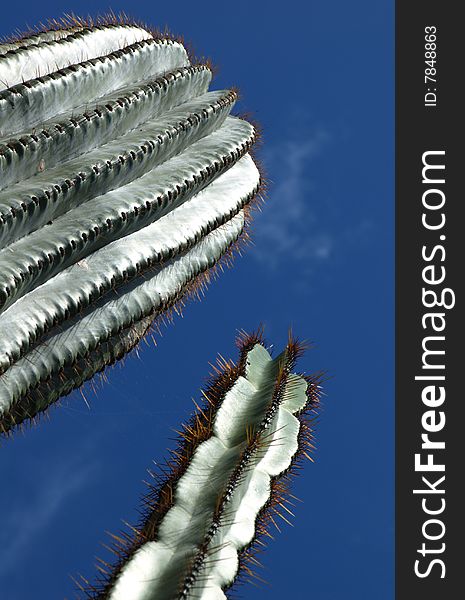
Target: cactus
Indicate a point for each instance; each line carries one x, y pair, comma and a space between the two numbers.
123, 180
223, 485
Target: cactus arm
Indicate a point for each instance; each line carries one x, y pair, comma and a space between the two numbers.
231, 459
158, 290
216, 564
27, 62
29, 104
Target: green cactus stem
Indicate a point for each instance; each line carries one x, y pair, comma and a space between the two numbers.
223, 485
123, 179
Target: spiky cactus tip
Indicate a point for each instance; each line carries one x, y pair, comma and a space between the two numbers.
122, 181
223, 485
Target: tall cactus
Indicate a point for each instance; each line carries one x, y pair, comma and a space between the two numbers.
123, 180
224, 484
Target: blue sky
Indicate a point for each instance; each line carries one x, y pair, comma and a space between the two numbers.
319, 79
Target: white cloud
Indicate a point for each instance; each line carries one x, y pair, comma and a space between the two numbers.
288, 228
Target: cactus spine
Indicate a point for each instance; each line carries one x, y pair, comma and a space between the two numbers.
123, 180
223, 485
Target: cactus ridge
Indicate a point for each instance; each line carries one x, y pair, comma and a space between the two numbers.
60, 382
27, 205
28, 407
32, 259
87, 330
41, 396
125, 181
53, 387
56, 28
255, 424
27, 62
34, 38
33, 102
51, 303
81, 132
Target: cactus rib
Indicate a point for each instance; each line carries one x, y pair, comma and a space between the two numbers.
29, 204
81, 131
47, 56
42, 395
31, 386
44, 307
32, 259
82, 285
32, 39
33, 102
